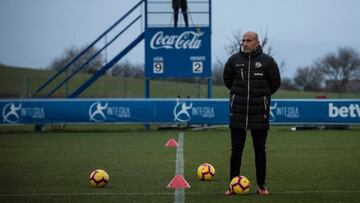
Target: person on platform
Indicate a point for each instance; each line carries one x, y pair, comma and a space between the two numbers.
177, 5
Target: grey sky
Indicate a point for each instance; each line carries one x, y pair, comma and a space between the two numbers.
34, 32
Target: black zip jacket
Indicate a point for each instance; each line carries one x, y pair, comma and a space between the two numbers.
252, 79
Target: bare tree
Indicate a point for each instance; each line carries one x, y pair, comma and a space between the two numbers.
341, 67
308, 78
288, 84
217, 73
235, 44
126, 69
70, 53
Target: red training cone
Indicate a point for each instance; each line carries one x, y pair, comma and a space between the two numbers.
178, 182
171, 143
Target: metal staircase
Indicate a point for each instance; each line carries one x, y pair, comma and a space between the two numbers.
103, 69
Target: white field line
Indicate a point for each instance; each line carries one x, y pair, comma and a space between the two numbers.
180, 192
162, 193
81, 194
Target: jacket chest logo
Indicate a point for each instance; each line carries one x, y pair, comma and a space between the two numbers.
239, 65
259, 74
258, 64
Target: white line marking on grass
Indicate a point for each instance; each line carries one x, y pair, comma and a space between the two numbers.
82, 194
162, 193
310, 192
180, 192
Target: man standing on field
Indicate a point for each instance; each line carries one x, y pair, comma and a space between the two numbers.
252, 77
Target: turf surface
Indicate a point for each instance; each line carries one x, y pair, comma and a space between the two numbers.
303, 166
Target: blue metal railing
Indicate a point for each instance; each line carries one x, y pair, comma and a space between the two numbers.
91, 58
197, 13
88, 48
103, 70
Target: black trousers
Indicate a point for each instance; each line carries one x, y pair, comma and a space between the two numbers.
176, 16
238, 138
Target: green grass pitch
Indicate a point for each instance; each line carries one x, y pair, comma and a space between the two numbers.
303, 166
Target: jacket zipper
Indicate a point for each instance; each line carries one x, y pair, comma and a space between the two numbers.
265, 103
242, 74
248, 97
265, 106
232, 100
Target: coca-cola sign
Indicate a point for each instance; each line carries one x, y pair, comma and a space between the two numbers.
178, 52
185, 40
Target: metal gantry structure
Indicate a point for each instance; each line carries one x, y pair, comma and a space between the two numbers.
169, 51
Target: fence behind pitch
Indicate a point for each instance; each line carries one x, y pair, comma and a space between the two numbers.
192, 111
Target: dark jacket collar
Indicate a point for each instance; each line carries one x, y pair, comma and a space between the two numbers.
257, 51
